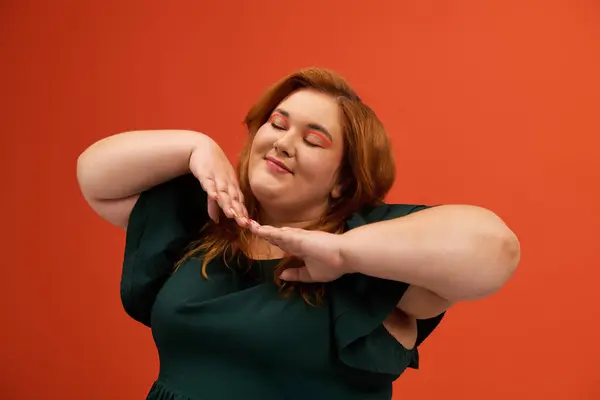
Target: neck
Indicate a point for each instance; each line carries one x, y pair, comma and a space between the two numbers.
280, 218
289, 219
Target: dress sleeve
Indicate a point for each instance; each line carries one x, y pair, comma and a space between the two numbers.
163, 222
361, 303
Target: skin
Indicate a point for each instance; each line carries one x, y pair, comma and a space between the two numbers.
447, 254
303, 133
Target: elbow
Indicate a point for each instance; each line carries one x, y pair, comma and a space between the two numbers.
511, 250
505, 251
491, 255
89, 169
510, 255
82, 173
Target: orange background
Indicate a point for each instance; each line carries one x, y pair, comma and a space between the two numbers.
488, 102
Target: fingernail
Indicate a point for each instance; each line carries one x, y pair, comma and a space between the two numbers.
232, 211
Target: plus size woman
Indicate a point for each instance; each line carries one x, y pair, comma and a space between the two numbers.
288, 277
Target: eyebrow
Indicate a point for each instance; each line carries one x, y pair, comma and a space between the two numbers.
315, 127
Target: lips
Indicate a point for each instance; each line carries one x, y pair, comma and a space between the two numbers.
279, 163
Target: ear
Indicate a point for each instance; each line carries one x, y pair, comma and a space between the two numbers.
336, 192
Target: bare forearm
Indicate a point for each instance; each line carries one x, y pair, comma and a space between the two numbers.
128, 163
458, 252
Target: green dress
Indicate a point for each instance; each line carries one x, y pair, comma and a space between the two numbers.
232, 336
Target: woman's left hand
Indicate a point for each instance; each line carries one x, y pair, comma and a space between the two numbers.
320, 251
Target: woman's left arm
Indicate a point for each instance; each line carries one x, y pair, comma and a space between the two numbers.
457, 252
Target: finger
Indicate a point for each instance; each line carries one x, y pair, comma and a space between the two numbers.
233, 209
279, 236
296, 275
229, 200
233, 191
285, 239
237, 198
244, 211
238, 210
241, 197
242, 206
264, 231
254, 227
288, 238
243, 222
282, 235
268, 233
230, 212
240, 218
213, 210
208, 184
224, 199
221, 185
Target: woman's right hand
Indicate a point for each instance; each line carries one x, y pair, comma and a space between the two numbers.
212, 168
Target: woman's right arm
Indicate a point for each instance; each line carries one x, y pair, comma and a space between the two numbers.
114, 171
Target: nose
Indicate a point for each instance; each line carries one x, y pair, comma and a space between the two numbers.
285, 145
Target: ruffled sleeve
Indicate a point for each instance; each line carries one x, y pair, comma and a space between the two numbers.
163, 222
361, 303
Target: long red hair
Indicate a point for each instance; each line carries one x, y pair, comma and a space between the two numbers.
367, 172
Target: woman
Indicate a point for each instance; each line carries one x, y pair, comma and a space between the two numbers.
291, 278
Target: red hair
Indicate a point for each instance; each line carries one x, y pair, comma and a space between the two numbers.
367, 172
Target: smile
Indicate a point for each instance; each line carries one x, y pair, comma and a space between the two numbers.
277, 166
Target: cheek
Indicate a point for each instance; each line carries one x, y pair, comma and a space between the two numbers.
258, 143
263, 140
320, 169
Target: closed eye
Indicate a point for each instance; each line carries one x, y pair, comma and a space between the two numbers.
317, 139
278, 121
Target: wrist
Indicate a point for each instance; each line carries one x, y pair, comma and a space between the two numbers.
199, 143
346, 248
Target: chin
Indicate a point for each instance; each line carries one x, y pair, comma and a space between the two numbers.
263, 191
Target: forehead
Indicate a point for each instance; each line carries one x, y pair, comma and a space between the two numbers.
313, 107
